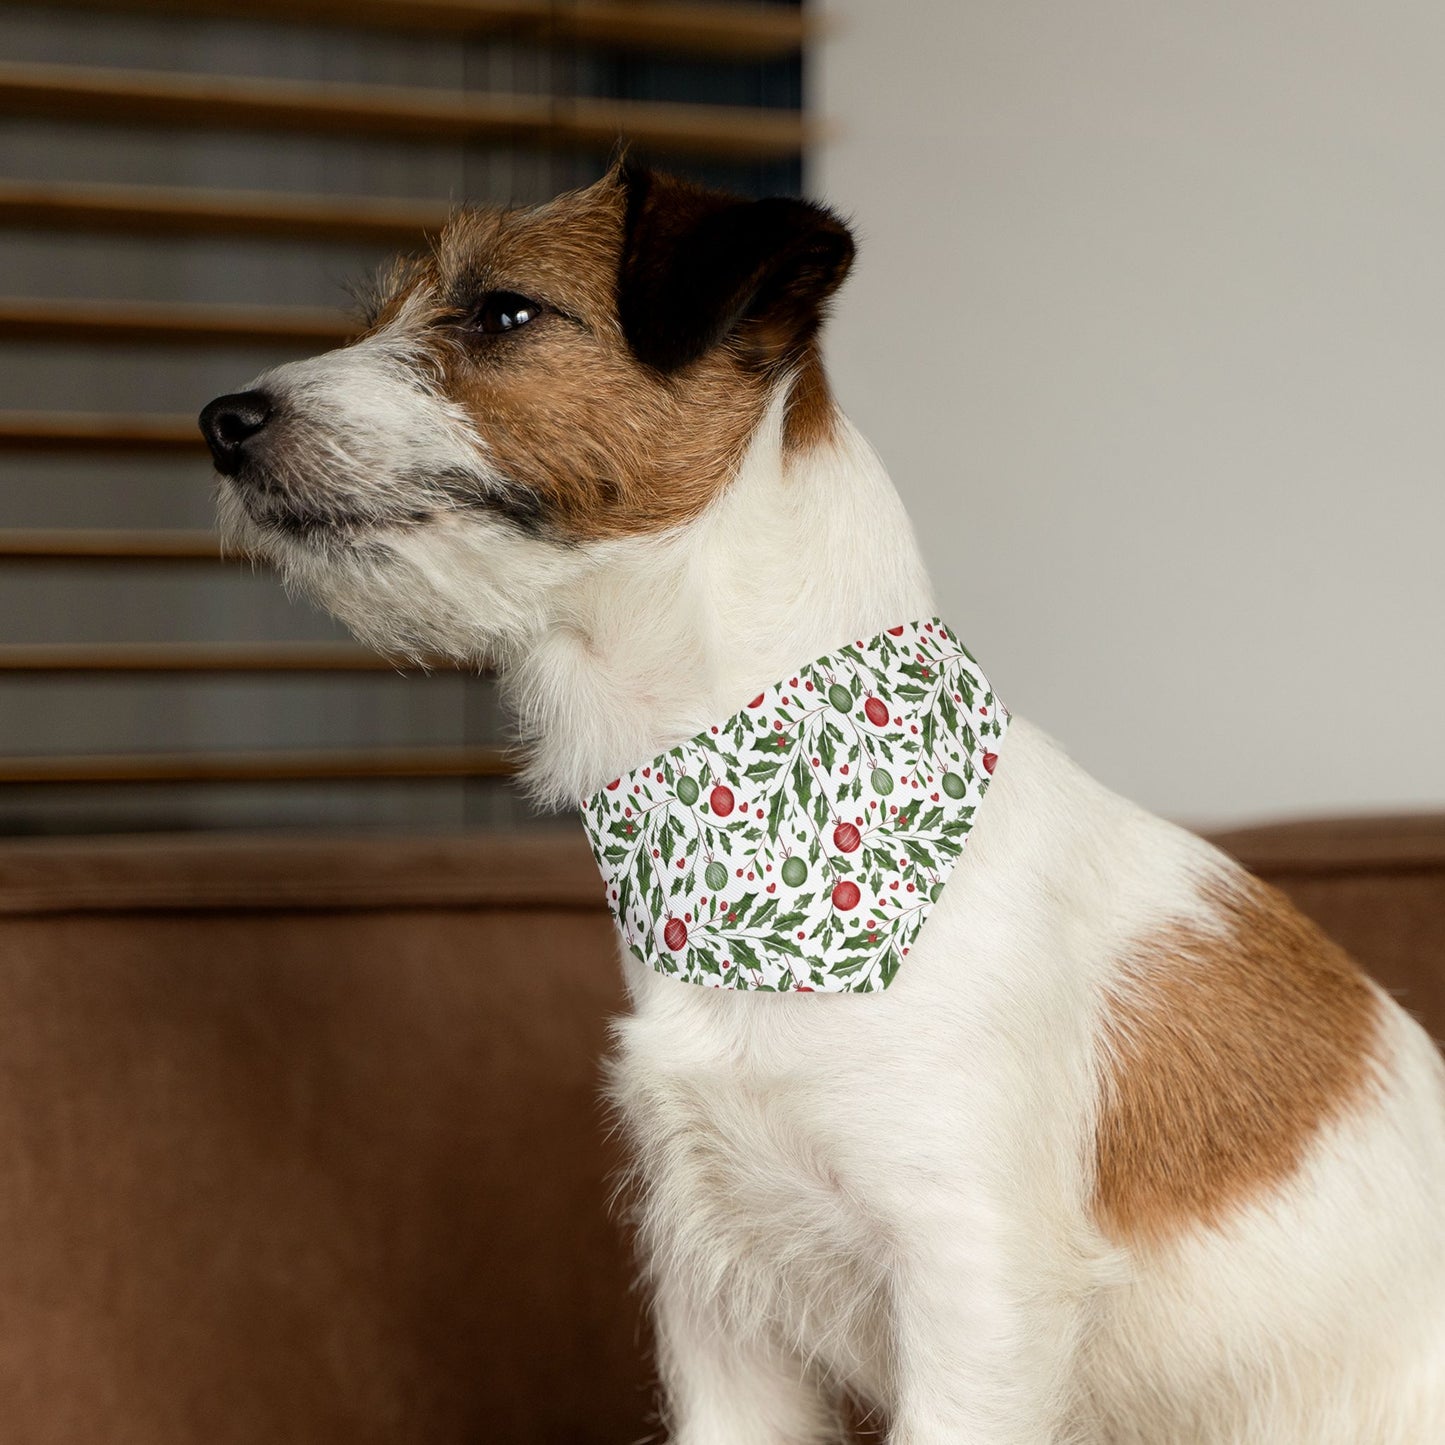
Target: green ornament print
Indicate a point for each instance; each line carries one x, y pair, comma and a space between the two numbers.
800, 845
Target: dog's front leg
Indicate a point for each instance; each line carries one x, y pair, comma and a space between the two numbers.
724, 1386
985, 1337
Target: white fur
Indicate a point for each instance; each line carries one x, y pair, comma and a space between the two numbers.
890, 1194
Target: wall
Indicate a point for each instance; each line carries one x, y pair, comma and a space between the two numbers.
1149, 323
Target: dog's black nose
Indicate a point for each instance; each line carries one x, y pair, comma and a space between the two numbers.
229, 422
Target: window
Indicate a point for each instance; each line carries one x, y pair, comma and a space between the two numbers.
185, 193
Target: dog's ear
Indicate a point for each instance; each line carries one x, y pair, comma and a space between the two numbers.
700, 266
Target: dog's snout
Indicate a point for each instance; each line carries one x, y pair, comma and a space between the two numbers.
229, 422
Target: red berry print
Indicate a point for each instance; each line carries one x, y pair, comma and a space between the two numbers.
846, 895
721, 800
674, 934
877, 713
846, 838
990, 760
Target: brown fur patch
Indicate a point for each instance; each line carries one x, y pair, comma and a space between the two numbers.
1226, 1053
605, 445
812, 416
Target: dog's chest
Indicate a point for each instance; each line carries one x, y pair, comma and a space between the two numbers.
749, 1167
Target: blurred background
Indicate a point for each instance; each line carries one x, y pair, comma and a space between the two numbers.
302, 1010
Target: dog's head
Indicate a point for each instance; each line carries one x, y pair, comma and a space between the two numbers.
544, 384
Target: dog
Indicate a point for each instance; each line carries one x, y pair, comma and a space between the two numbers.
1128, 1153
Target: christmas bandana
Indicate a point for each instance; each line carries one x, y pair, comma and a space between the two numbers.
800, 845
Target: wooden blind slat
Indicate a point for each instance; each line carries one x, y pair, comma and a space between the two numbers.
755, 32
171, 323
173, 211
98, 432
186, 657
77, 431
271, 766
82, 544
218, 102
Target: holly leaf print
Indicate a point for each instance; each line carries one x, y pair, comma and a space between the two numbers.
776, 805
827, 754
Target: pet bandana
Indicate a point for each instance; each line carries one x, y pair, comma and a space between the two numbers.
800, 845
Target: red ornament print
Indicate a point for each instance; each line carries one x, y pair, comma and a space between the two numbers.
721, 800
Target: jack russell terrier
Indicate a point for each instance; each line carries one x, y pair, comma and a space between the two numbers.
956, 1085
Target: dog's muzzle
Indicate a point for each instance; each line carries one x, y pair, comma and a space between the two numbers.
232, 422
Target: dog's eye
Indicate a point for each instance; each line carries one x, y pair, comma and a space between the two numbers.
504, 311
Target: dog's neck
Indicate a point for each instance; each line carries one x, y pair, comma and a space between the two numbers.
804, 551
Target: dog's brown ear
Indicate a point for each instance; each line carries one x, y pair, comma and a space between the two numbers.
699, 266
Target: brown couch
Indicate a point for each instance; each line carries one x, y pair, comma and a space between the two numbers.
302, 1140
